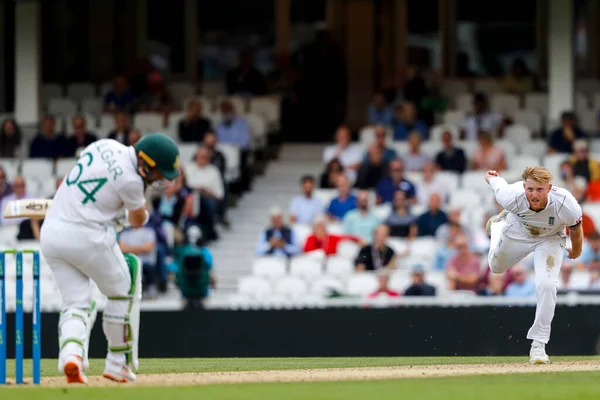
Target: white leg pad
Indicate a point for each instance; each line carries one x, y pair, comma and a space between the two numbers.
74, 327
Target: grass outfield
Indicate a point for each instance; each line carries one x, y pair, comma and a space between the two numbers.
547, 386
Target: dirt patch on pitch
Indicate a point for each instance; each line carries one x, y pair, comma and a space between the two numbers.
340, 374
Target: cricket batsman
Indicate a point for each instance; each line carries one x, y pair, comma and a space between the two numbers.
534, 219
79, 242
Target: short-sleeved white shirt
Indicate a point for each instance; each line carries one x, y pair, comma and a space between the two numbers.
562, 211
102, 182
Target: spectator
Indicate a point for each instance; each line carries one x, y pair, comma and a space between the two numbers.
430, 184
402, 222
446, 249
142, 242
577, 185
80, 139
590, 255
134, 136
464, 268
246, 79
488, 155
344, 202
10, 139
47, 143
119, 98
583, 165
389, 153
414, 160
378, 255
320, 239
194, 270
406, 122
278, 239
206, 178
122, 128
562, 139
419, 287
428, 222
523, 286
395, 181
362, 221
175, 204
373, 170
303, 209
564, 281
384, 289
193, 127
495, 286
519, 81
349, 155
218, 160
451, 158
482, 119
5, 186
19, 193
156, 98
234, 130
330, 176
380, 113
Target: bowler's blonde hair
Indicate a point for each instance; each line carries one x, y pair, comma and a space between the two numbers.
540, 175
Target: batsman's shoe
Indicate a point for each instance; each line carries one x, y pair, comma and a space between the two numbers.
74, 370
495, 218
538, 355
118, 372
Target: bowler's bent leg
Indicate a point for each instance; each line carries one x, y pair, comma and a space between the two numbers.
505, 252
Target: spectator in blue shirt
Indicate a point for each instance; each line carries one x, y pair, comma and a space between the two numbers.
279, 239
428, 222
562, 139
406, 122
235, 130
120, 98
395, 181
380, 113
47, 143
303, 209
522, 286
344, 202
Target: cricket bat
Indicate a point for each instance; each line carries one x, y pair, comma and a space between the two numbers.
27, 208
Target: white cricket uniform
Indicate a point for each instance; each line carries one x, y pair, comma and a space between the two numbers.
78, 237
543, 233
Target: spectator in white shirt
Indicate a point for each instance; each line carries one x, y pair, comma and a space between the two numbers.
431, 183
206, 179
415, 159
304, 208
481, 119
19, 193
350, 155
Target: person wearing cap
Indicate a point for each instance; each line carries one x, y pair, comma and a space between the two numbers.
583, 165
562, 139
278, 239
480, 119
419, 287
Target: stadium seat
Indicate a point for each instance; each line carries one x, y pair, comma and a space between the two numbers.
469, 147
60, 106
348, 249
8, 237
290, 286
400, 281
305, 267
316, 255
509, 147
463, 102
488, 86
587, 120
104, 88
553, 161
450, 180
93, 106
519, 163
453, 117
335, 228
326, 285
173, 124
106, 122
535, 148
517, 133
407, 262
451, 87
530, 119
254, 287
232, 159
269, 267
581, 102
505, 104
208, 107
537, 102
438, 280
149, 121
424, 247
180, 91
339, 266
436, 132
362, 284
302, 232
258, 129
81, 90
51, 90
383, 211
47, 188
11, 167
474, 179
269, 107
325, 195
580, 280
431, 148
187, 152
37, 168
63, 166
